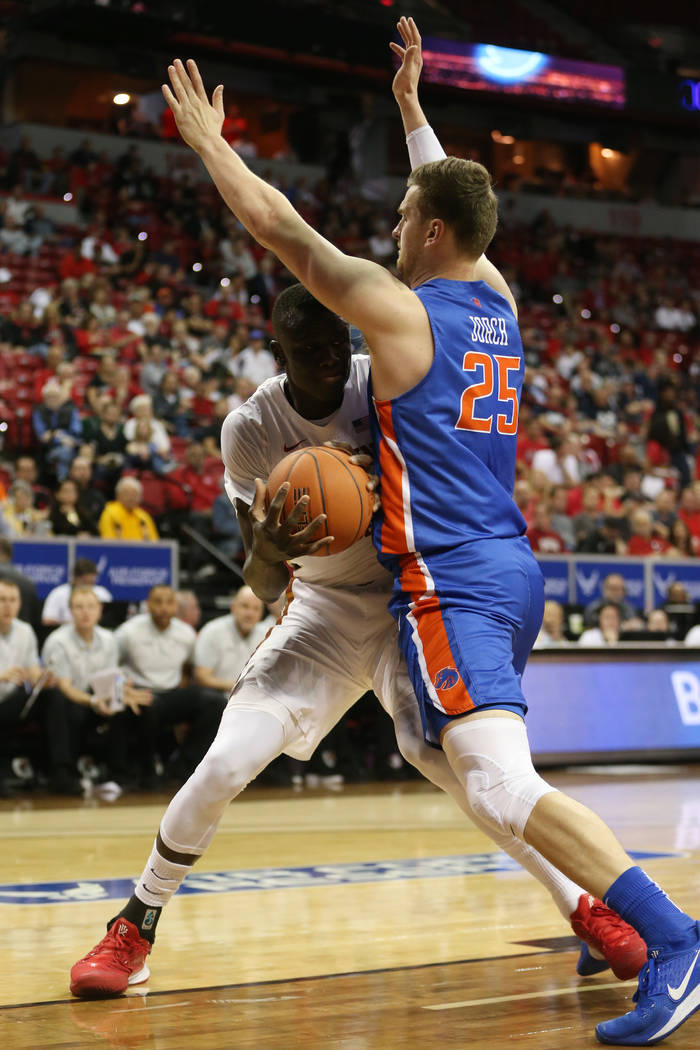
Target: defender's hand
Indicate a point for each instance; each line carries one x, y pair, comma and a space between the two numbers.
197, 119
275, 541
408, 74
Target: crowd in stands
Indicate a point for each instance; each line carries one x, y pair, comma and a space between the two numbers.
126, 339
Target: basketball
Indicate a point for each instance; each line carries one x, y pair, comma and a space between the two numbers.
335, 487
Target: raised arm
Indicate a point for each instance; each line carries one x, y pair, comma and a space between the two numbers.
362, 292
423, 144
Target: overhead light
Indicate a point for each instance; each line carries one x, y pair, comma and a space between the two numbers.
608, 153
122, 98
518, 159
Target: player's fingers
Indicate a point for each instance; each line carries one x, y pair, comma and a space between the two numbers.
170, 99
217, 100
343, 446
276, 503
258, 505
306, 534
413, 29
317, 544
182, 82
403, 28
361, 459
196, 79
297, 512
397, 49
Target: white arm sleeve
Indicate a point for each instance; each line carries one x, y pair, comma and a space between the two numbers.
423, 146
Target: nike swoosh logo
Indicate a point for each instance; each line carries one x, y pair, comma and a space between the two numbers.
679, 992
290, 448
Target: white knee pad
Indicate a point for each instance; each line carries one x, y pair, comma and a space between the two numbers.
491, 757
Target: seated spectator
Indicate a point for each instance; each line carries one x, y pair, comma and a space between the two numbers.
657, 622
168, 405
105, 433
586, 522
188, 608
543, 539
156, 650
254, 362
141, 409
26, 469
552, 630
142, 450
608, 630
606, 538
224, 644
29, 599
643, 540
614, 592
107, 381
123, 518
19, 668
693, 636
57, 426
682, 543
76, 652
90, 500
225, 530
561, 522
56, 609
201, 484
152, 371
67, 517
21, 516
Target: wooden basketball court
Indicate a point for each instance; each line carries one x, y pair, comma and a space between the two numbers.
372, 918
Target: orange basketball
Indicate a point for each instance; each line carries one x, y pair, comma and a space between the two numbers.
335, 487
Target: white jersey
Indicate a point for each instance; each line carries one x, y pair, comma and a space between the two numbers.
256, 436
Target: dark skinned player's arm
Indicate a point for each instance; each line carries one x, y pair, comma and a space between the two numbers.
267, 579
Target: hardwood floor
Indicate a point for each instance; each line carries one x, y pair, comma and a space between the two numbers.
373, 918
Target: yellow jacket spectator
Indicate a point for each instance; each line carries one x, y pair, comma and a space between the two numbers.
123, 518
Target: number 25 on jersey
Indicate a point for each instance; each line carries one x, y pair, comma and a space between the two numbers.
495, 377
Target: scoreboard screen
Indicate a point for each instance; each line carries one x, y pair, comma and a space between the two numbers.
507, 70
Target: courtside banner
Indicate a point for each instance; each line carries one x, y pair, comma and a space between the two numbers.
556, 572
592, 702
589, 574
44, 561
129, 570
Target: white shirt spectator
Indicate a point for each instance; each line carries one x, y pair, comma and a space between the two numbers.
56, 605
159, 435
592, 636
255, 365
70, 656
222, 648
155, 659
545, 460
18, 648
693, 636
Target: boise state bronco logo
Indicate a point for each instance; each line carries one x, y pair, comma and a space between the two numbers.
447, 678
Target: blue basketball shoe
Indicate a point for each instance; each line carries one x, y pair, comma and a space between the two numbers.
668, 993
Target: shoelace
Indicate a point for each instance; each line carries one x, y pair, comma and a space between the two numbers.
602, 913
117, 943
647, 978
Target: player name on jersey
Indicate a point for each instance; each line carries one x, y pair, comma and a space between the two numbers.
490, 330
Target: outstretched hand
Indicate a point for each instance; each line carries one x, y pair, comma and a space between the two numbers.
408, 74
198, 120
275, 541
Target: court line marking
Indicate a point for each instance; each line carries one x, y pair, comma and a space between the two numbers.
291, 980
577, 989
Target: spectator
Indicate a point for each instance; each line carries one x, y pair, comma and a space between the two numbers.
552, 630
667, 428
224, 644
21, 516
76, 652
91, 502
57, 426
682, 544
614, 592
141, 409
543, 539
168, 405
67, 517
157, 649
658, 622
19, 667
188, 608
254, 362
586, 522
225, 531
643, 541
29, 607
693, 636
56, 609
26, 469
608, 630
605, 539
142, 450
561, 522
105, 382
123, 518
105, 434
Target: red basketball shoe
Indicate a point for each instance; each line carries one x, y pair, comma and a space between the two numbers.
610, 936
116, 962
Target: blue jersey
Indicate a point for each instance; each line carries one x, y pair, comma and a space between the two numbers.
445, 450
